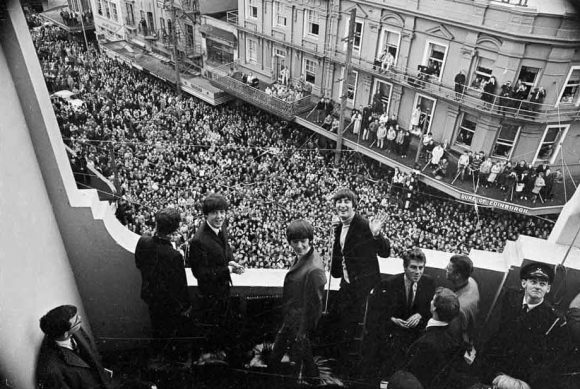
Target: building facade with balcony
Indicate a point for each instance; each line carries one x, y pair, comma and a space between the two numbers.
408, 53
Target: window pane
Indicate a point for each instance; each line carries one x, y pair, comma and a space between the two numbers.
508, 133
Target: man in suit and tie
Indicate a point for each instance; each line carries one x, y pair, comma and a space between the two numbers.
68, 358
357, 242
211, 260
403, 309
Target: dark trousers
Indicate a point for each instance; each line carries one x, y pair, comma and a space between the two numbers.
300, 350
170, 333
214, 317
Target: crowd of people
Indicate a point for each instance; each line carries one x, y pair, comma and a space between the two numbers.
170, 150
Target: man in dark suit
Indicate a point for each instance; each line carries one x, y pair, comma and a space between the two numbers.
401, 311
164, 285
530, 334
68, 357
354, 260
438, 347
211, 260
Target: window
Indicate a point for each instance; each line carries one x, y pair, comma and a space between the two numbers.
151, 22
466, 130
189, 36
358, 31
390, 41
550, 144
312, 24
427, 107
252, 9
162, 25
383, 89
310, 69
279, 19
482, 72
435, 59
114, 12
279, 56
506, 139
130, 14
252, 53
571, 92
107, 9
351, 82
528, 76
100, 7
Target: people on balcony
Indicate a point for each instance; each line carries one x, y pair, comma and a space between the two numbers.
387, 60
488, 95
356, 119
381, 134
460, 80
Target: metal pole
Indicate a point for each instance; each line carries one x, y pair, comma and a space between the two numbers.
344, 88
83, 25
174, 39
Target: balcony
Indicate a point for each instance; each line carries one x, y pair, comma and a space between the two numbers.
221, 78
232, 17
503, 107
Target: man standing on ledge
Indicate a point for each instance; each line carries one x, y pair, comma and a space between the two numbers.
354, 260
211, 260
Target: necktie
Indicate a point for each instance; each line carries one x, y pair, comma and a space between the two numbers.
411, 295
525, 308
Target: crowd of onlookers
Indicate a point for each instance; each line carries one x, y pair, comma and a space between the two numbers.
162, 149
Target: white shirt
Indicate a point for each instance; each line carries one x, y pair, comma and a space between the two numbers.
436, 323
217, 232
531, 306
65, 343
343, 233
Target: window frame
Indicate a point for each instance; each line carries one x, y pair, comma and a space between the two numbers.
355, 48
416, 101
348, 86
376, 85
565, 85
276, 62
460, 127
249, 58
277, 10
476, 73
557, 150
532, 85
308, 22
505, 143
427, 57
382, 40
250, 5
304, 67
114, 12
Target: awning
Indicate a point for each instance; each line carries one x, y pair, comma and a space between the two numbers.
219, 35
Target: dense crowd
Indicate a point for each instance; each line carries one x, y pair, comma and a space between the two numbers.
162, 149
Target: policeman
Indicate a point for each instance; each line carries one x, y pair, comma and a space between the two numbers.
530, 332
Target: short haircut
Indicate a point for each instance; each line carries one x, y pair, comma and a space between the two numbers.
446, 304
503, 381
462, 265
57, 321
167, 221
345, 193
414, 254
214, 202
299, 229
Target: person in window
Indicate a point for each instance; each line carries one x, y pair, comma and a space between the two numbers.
356, 120
387, 60
504, 96
460, 80
488, 95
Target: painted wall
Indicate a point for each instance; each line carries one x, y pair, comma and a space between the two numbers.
35, 274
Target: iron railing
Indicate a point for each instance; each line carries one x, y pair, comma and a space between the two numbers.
220, 77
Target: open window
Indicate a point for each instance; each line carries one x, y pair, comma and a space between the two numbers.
482, 73
506, 141
570, 93
310, 70
528, 76
278, 16
427, 107
434, 61
466, 130
311, 23
551, 143
252, 9
384, 90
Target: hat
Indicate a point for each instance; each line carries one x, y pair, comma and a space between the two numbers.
539, 270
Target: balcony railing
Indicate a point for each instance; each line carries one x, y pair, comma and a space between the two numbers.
524, 110
521, 3
232, 17
221, 78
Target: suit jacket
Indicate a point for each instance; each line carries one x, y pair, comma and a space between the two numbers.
208, 257
525, 345
431, 353
395, 301
360, 254
303, 293
164, 284
61, 368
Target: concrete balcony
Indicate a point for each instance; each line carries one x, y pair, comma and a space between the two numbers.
223, 78
503, 107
